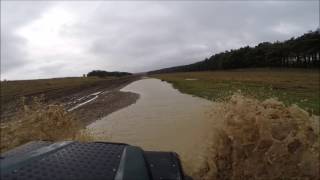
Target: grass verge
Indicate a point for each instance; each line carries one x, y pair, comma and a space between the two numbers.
291, 86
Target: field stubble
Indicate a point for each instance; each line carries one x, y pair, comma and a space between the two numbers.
40, 121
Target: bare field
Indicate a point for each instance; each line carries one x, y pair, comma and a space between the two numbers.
55, 91
292, 86
11, 90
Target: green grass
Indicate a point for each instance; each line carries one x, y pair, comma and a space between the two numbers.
292, 86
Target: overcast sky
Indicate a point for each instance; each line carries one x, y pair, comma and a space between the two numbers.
59, 38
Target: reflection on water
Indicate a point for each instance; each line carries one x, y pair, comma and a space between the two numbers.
162, 119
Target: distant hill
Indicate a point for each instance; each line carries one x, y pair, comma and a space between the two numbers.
100, 73
303, 51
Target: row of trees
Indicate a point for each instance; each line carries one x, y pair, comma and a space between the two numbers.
303, 52
100, 73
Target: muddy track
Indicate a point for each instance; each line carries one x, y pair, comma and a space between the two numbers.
103, 105
107, 102
99, 101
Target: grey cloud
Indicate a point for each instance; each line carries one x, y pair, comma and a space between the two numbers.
140, 36
13, 16
12, 53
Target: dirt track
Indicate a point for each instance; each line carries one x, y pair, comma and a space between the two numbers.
109, 100
105, 103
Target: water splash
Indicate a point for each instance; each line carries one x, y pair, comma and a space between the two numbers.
261, 140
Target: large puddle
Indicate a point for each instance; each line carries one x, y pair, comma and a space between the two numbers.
162, 119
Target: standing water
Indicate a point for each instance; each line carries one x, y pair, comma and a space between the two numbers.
163, 119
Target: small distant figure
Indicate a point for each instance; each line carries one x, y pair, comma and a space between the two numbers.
84, 75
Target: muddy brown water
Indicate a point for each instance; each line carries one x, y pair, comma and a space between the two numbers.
163, 119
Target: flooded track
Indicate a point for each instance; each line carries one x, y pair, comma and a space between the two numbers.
163, 119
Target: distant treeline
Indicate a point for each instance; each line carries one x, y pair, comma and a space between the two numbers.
303, 52
100, 73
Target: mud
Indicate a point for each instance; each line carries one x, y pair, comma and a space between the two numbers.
102, 105
110, 100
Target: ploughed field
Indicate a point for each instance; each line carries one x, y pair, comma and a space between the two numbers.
11, 90
291, 86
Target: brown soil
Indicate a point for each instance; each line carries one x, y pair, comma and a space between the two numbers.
104, 104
